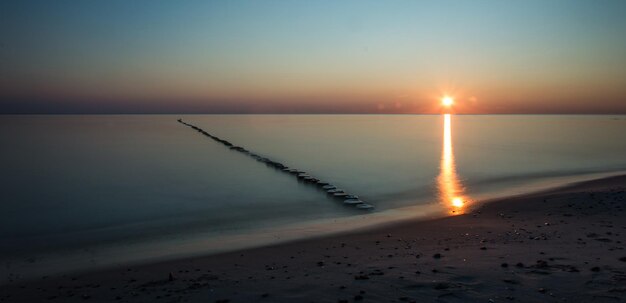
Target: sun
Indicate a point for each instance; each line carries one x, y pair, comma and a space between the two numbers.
447, 101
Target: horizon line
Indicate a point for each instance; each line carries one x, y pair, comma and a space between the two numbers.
311, 114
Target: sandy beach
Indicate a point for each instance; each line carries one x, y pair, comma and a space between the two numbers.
561, 245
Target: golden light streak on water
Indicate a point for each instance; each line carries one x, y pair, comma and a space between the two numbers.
449, 185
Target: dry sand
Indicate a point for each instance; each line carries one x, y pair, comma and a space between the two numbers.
562, 245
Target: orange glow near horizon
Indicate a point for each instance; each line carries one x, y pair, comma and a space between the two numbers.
449, 185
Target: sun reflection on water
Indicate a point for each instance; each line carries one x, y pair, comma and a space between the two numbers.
449, 186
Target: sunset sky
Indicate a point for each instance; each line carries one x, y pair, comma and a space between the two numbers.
312, 56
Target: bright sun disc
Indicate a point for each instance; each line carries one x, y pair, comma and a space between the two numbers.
447, 101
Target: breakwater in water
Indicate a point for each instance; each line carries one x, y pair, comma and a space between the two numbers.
348, 199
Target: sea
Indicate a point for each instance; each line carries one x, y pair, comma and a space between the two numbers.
81, 192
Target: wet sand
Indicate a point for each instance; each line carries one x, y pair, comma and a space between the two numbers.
562, 245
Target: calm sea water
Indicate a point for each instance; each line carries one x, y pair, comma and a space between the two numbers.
106, 189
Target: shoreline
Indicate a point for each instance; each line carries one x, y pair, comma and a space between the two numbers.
77, 261
575, 248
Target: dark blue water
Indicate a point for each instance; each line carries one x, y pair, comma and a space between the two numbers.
103, 188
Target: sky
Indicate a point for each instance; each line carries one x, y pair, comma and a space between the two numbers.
153, 56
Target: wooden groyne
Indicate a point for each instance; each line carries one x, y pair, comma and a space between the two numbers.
330, 189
